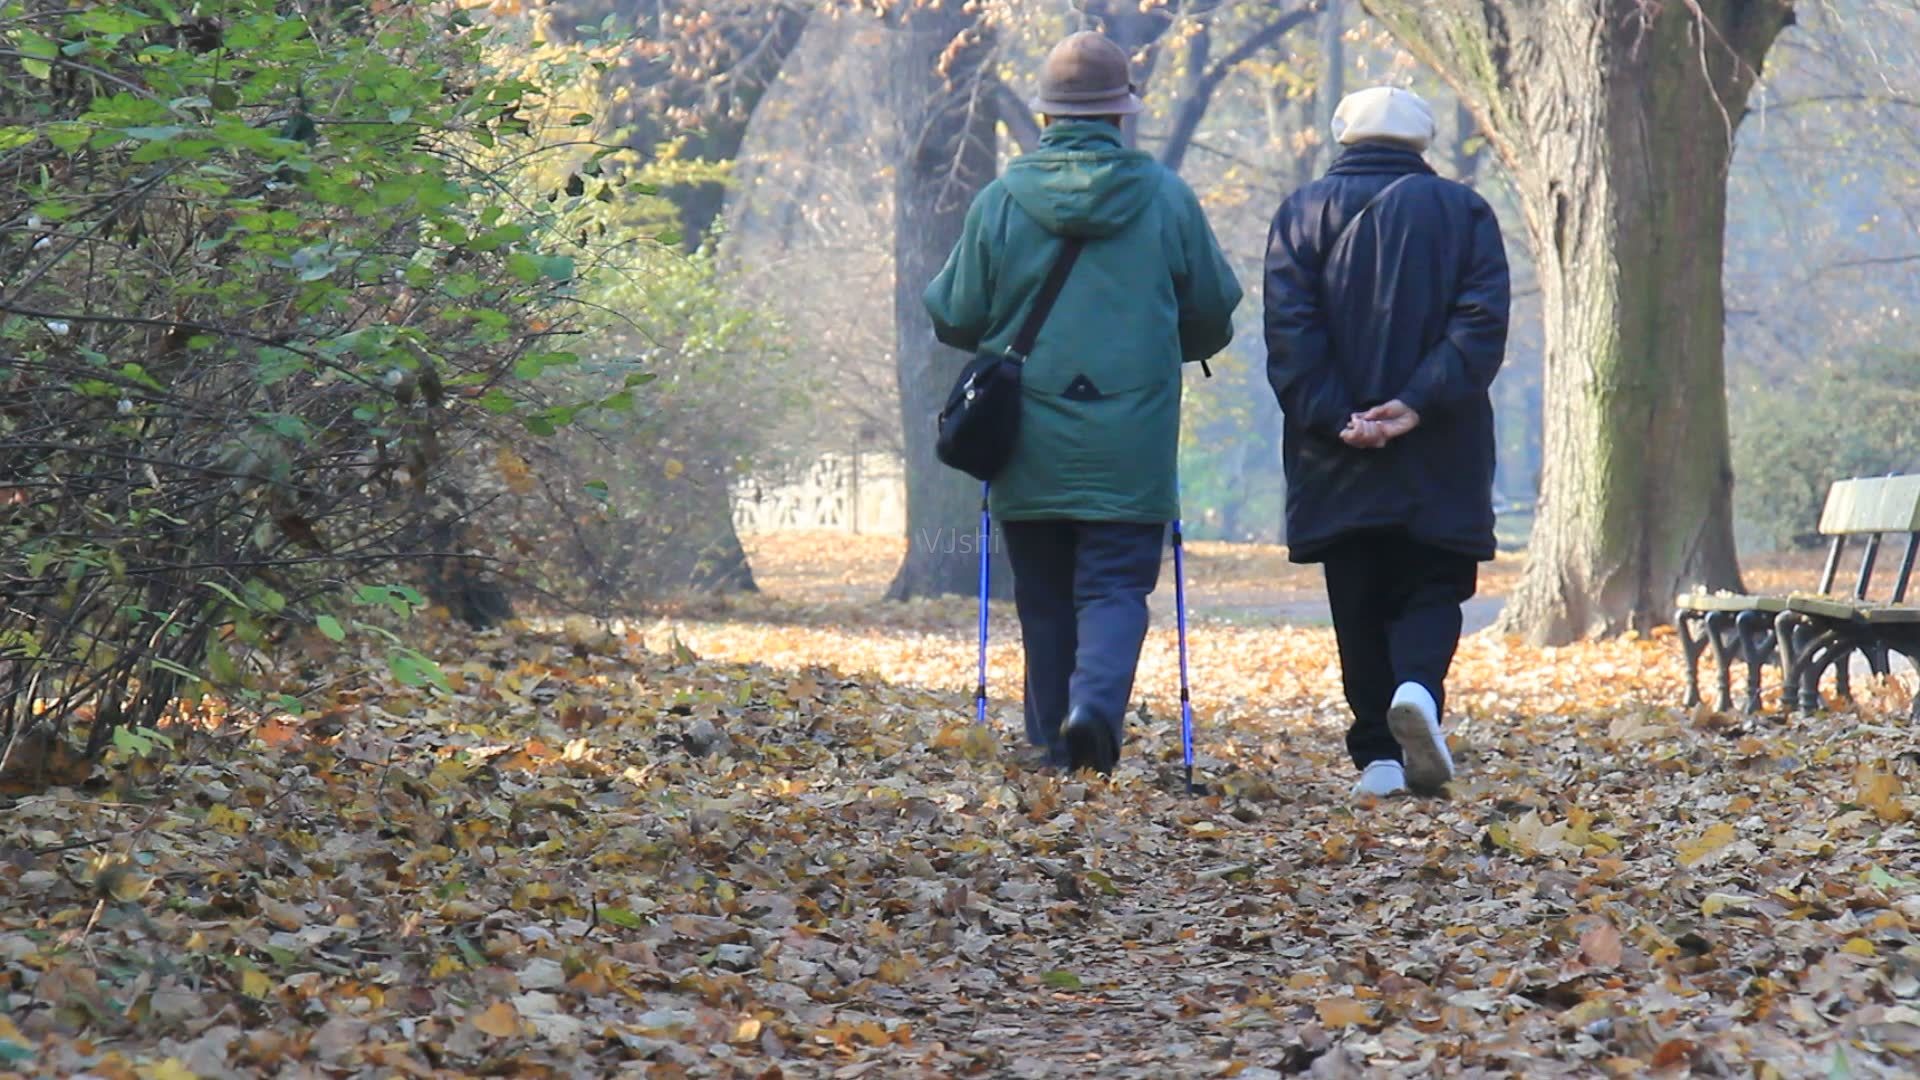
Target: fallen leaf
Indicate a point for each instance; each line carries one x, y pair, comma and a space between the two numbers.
499, 1020
1879, 790
1342, 1012
1600, 946
1706, 845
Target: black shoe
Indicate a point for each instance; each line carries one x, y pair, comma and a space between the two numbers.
1089, 742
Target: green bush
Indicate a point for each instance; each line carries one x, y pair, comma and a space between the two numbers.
1833, 421
263, 280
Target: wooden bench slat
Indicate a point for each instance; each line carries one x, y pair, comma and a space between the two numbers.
1826, 607
1892, 614
1711, 602
1875, 504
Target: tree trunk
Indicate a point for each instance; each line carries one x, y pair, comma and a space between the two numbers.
720, 136
1333, 81
720, 561
1616, 119
947, 121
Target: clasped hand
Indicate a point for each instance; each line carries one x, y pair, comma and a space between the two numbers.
1379, 426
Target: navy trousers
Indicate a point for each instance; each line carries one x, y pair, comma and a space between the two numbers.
1396, 612
1081, 590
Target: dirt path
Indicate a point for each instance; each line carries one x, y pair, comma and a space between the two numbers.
764, 839
1593, 899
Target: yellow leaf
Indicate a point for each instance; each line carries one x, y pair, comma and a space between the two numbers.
115, 877
1710, 842
1879, 790
746, 1031
1342, 1012
228, 820
170, 1069
255, 984
1859, 947
673, 468
499, 1020
445, 966
513, 470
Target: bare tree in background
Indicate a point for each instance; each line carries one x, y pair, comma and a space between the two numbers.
948, 125
695, 73
1616, 120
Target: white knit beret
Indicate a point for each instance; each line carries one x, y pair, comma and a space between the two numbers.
1384, 112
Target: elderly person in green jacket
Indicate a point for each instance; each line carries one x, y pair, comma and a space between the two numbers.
1092, 483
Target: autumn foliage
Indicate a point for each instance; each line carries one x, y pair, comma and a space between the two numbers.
678, 847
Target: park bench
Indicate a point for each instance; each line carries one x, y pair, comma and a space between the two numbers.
1810, 634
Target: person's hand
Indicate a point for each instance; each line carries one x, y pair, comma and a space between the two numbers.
1364, 434
1395, 418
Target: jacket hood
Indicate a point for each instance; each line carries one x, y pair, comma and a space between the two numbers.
1082, 181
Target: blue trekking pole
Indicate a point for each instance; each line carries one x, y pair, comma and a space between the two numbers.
1180, 615
986, 525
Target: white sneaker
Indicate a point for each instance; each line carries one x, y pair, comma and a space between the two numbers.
1414, 720
1380, 780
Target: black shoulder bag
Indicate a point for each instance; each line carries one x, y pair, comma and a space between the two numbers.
982, 414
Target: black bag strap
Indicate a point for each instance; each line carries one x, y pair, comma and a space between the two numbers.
1022, 346
1379, 198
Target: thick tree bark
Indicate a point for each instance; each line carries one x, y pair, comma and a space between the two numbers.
1616, 119
947, 120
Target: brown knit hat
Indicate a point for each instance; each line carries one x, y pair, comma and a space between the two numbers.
1087, 75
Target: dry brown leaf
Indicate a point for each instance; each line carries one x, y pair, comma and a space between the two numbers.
1342, 1012
499, 1020
1600, 946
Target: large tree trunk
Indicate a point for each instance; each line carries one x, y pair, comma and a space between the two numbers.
1616, 119
947, 122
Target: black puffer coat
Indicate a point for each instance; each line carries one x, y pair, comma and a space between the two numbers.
1412, 306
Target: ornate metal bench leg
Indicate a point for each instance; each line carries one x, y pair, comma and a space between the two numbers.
1843, 670
1817, 655
1878, 660
1832, 652
1691, 646
1786, 628
1720, 631
1756, 644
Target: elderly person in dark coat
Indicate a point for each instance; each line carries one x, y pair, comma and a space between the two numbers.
1386, 321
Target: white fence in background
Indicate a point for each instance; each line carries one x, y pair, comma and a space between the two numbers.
850, 493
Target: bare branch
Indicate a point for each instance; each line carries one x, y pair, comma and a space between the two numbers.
1187, 117
1016, 116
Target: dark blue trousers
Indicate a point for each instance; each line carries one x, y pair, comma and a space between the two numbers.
1081, 589
1396, 614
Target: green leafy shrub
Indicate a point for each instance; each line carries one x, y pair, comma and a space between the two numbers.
263, 281
1832, 421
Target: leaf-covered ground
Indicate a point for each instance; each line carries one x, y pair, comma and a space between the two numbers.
763, 839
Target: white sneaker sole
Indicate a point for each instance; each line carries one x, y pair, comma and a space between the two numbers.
1429, 766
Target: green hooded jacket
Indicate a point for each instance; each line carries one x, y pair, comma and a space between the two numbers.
1100, 412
